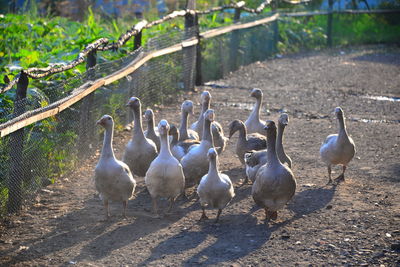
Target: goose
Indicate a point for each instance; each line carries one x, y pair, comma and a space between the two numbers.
338, 148
254, 160
195, 162
180, 148
275, 184
253, 122
165, 177
140, 151
246, 142
185, 133
215, 189
151, 133
282, 123
219, 139
113, 179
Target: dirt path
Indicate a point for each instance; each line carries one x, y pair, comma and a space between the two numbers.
355, 223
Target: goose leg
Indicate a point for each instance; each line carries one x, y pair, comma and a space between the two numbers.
329, 174
171, 203
219, 213
340, 178
107, 208
273, 215
154, 201
124, 203
203, 215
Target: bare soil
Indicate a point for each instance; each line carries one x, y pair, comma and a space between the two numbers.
353, 223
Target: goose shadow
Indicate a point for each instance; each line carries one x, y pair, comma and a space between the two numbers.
234, 237
311, 200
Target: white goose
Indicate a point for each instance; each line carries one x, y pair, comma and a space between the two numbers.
185, 133
113, 179
151, 133
195, 163
180, 148
164, 177
215, 189
140, 151
338, 148
253, 122
283, 157
275, 184
219, 139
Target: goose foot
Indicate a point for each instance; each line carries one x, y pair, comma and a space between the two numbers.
270, 215
203, 215
245, 182
339, 179
329, 182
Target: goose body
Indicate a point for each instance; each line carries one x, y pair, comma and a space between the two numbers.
219, 138
283, 157
165, 177
185, 133
140, 151
180, 148
151, 133
215, 189
195, 163
253, 122
275, 184
254, 160
338, 148
246, 142
113, 179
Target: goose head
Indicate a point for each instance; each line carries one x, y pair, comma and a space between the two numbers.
149, 115
270, 126
235, 126
339, 112
106, 121
212, 154
209, 115
134, 103
256, 93
283, 119
187, 106
163, 127
205, 97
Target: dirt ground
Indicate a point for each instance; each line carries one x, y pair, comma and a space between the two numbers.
353, 223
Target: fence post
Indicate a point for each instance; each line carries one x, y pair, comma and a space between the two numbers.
275, 26
199, 76
86, 127
329, 24
189, 53
16, 175
137, 41
234, 46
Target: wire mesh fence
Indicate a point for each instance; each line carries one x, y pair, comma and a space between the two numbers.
40, 153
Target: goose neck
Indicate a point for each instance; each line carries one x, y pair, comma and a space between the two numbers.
257, 107
271, 144
107, 150
279, 138
342, 127
165, 149
213, 166
150, 127
242, 132
137, 127
184, 124
207, 134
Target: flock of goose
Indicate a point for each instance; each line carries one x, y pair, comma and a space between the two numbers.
172, 159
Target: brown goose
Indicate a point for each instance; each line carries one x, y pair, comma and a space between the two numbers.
275, 184
180, 148
185, 133
151, 133
282, 123
253, 122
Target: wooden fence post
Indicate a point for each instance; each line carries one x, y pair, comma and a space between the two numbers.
234, 46
329, 24
199, 76
16, 143
189, 53
86, 127
275, 26
137, 41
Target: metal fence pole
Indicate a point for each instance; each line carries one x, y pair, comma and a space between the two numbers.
329, 24
16, 175
86, 127
189, 53
234, 46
